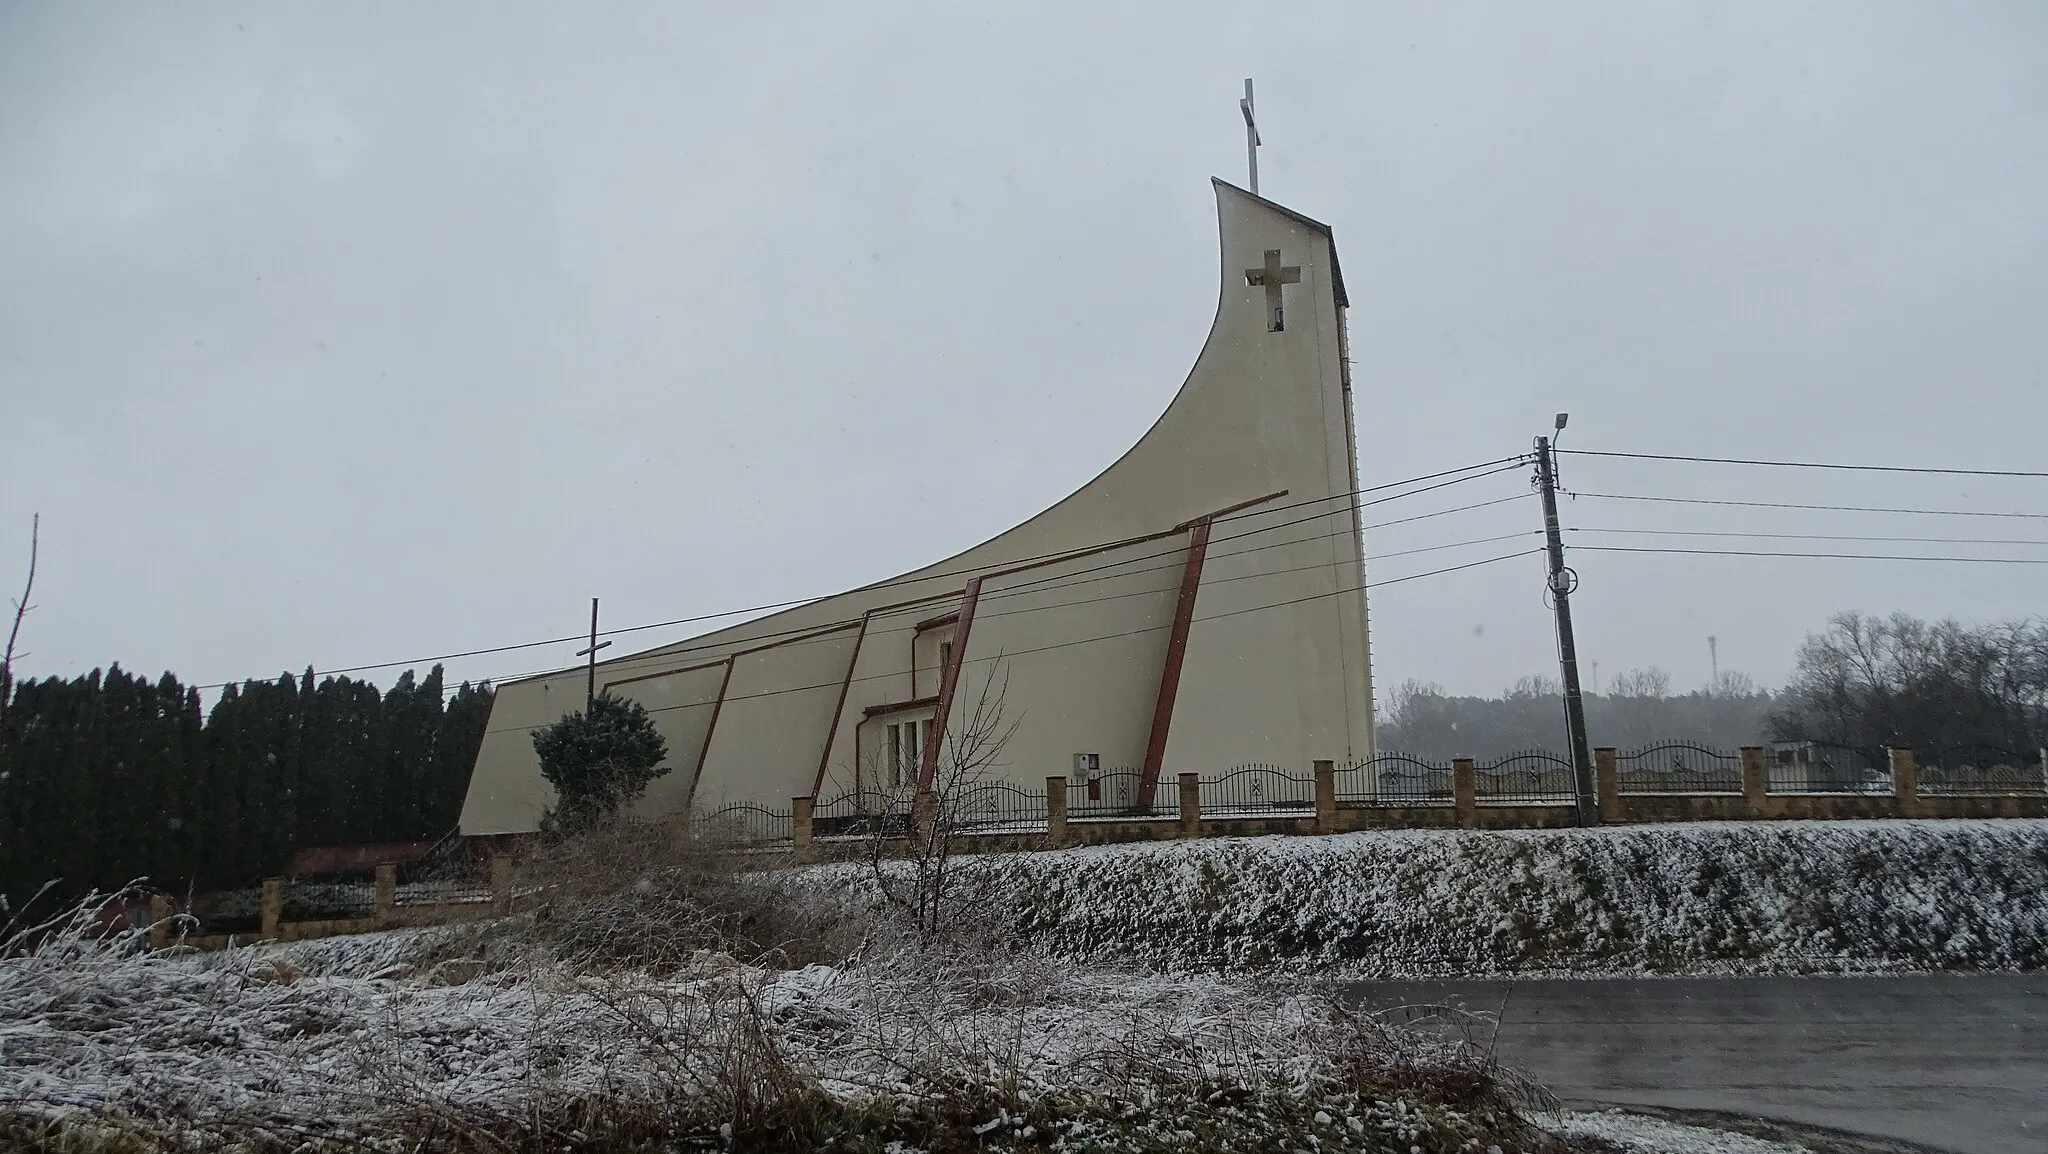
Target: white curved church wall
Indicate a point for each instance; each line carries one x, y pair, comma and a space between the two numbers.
1260, 412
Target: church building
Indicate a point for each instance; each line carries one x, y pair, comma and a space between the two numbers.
1199, 605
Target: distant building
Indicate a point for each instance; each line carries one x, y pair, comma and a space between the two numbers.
1197, 606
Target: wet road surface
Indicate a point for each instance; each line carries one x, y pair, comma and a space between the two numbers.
1954, 1062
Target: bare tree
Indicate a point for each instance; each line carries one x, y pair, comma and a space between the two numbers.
21, 608
932, 889
1898, 680
1651, 683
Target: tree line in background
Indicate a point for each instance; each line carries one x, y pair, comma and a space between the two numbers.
111, 777
1864, 681
1926, 685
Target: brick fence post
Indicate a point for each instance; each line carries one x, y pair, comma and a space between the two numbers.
1056, 810
1607, 782
1906, 782
501, 883
1326, 796
1756, 780
273, 906
924, 816
801, 811
159, 921
387, 893
1190, 802
1465, 791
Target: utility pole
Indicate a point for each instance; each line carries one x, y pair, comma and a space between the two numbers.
590, 692
1562, 582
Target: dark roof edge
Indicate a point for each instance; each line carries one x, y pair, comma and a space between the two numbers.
1336, 269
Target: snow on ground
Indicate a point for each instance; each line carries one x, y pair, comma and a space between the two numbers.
1783, 897
360, 1046
1641, 1134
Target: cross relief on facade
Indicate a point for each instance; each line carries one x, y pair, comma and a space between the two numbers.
1272, 275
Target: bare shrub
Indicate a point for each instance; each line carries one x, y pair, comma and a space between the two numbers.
932, 889
625, 893
936, 1045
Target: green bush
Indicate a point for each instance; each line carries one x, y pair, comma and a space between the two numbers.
598, 760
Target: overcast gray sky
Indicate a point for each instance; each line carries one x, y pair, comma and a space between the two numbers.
349, 333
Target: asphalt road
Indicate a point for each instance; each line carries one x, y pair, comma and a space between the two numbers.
1953, 1062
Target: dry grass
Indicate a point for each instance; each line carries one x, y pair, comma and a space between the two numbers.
654, 1002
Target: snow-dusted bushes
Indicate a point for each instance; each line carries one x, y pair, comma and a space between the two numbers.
104, 1046
1763, 897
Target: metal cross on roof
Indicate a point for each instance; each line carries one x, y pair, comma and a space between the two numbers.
1251, 134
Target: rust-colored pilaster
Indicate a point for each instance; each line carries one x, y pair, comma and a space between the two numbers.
710, 727
1176, 654
949, 681
839, 708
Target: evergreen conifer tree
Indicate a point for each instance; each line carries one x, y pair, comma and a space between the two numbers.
598, 760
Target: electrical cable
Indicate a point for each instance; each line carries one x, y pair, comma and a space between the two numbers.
1492, 468
1085, 640
1834, 556
1817, 508
1813, 536
1062, 580
1805, 464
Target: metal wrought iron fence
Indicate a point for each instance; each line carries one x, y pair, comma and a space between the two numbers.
1679, 767
1116, 794
1394, 779
743, 824
1824, 767
442, 893
1530, 777
1983, 769
993, 807
861, 814
1257, 791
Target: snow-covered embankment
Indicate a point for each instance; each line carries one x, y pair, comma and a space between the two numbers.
1847, 896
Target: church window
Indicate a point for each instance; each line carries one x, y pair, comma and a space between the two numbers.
906, 751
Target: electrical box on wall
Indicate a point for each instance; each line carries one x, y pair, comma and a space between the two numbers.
1087, 766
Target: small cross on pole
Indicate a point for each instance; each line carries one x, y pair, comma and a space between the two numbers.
590, 692
1251, 134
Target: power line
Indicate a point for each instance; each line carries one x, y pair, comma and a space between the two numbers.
1806, 464
1081, 577
1819, 508
1208, 582
1833, 556
1084, 640
1813, 536
1438, 548
1491, 468
1443, 512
